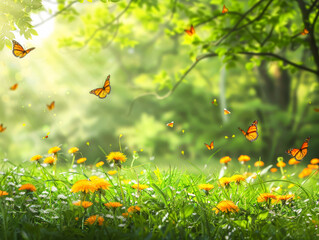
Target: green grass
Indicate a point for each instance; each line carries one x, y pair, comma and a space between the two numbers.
172, 208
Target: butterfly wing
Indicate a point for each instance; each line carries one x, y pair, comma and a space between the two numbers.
190, 31
171, 124
225, 9
252, 132
18, 50
103, 92
226, 111
96, 91
2, 129
51, 105
299, 154
211, 146
242, 131
14, 87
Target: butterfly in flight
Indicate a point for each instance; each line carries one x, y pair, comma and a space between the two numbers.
171, 124
104, 91
2, 129
304, 32
190, 31
51, 106
226, 111
299, 154
251, 134
14, 87
18, 50
225, 9
210, 146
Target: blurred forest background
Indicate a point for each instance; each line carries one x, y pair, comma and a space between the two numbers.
252, 59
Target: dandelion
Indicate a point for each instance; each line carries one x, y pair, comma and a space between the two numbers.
113, 204
133, 209
100, 183
266, 197
73, 150
140, 186
83, 186
273, 170
113, 172
29, 187
243, 158
305, 172
293, 161
117, 157
259, 164
84, 204
313, 166
226, 206
3, 193
54, 150
206, 187
92, 219
36, 158
225, 160
49, 160
225, 181
238, 178
81, 160
281, 164
314, 161
99, 164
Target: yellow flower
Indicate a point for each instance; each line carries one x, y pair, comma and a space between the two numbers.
305, 172
49, 160
225, 181
207, 187
140, 186
286, 197
133, 209
84, 186
259, 164
91, 220
100, 183
112, 172
81, 160
84, 204
314, 161
264, 197
243, 158
225, 159
293, 161
54, 150
36, 158
281, 164
3, 193
226, 206
99, 164
116, 157
113, 204
273, 169
73, 150
238, 178
29, 187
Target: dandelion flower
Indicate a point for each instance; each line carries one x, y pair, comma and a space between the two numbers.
81, 160
29, 187
313, 166
36, 158
259, 164
54, 150
3, 193
133, 209
243, 158
293, 161
225, 160
226, 206
116, 157
92, 219
99, 164
314, 161
281, 164
73, 150
305, 172
113, 204
273, 170
225, 181
140, 186
264, 197
207, 187
49, 160
84, 204
84, 186
100, 183
238, 178
112, 172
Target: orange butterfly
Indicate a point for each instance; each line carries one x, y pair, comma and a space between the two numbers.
51, 106
251, 134
304, 32
18, 50
2, 128
171, 124
104, 91
190, 31
211, 146
14, 87
299, 154
225, 9
226, 111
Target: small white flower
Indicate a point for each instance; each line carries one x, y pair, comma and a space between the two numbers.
11, 184
21, 193
54, 189
109, 216
121, 225
5, 159
9, 199
61, 196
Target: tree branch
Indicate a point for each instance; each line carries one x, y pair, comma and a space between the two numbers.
312, 6
268, 36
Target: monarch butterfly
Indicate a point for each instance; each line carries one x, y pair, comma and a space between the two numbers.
251, 134
304, 32
2, 129
171, 124
211, 146
299, 154
104, 91
51, 106
18, 50
226, 111
14, 87
190, 31
225, 9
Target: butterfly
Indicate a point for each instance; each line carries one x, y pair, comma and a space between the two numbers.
51, 106
225, 9
226, 111
190, 31
299, 154
2, 129
171, 124
46, 136
18, 50
104, 91
304, 32
14, 87
251, 134
211, 146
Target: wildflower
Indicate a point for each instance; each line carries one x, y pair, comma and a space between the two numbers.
264, 197
273, 169
281, 164
314, 161
243, 158
285, 198
305, 172
225, 181
113, 204
73, 150
225, 160
84, 186
99, 164
238, 178
140, 186
206, 187
92, 219
226, 206
81, 160
293, 161
125, 214
36, 158
133, 209
100, 183
116, 157
29, 187
259, 164
49, 160
54, 150
313, 166
3, 193
112, 172
84, 204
